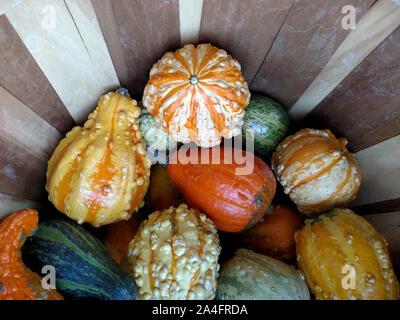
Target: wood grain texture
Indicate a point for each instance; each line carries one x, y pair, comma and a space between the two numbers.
307, 40
388, 225
137, 34
189, 20
365, 107
10, 204
378, 207
6, 5
66, 42
377, 24
22, 172
380, 172
22, 126
20, 75
245, 29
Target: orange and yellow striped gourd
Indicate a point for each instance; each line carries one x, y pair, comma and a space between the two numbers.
99, 173
343, 257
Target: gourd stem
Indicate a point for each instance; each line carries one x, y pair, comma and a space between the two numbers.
194, 80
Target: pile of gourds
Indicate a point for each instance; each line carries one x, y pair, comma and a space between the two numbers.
161, 223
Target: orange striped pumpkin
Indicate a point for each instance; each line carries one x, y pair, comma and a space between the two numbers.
316, 170
343, 257
197, 94
99, 173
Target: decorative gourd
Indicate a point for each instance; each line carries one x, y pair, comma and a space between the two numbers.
175, 256
155, 138
269, 122
163, 193
340, 244
117, 238
84, 268
316, 170
17, 282
253, 276
99, 173
197, 94
274, 234
234, 196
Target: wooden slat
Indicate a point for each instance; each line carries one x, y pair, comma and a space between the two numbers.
22, 172
6, 5
22, 126
20, 75
72, 55
376, 25
388, 225
245, 29
310, 35
189, 20
380, 173
10, 204
137, 34
377, 207
365, 107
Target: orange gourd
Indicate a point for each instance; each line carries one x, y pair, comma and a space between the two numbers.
17, 282
316, 170
99, 173
117, 238
198, 94
163, 193
234, 196
274, 234
339, 247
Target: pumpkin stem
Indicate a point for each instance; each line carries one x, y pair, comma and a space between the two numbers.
194, 80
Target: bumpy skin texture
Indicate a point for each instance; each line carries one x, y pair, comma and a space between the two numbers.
338, 238
274, 234
316, 170
17, 282
174, 256
99, 173
233, 202
155, 138
253, 276
197, 94
269, 122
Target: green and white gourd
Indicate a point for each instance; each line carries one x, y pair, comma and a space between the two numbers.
156, 139
269, 122
253, 276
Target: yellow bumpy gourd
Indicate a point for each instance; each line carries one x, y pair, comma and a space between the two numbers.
99, 173
174, 256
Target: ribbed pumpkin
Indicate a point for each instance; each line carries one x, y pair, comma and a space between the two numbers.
253, 276
99, 173
197, 94
274, 234
329, 246
17, 282
175, 256
233, 200
316, 170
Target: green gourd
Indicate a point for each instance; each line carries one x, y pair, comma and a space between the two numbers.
253, 276
269, 122
155, 138
84, 268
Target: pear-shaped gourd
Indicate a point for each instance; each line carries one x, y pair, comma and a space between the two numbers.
99, 173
